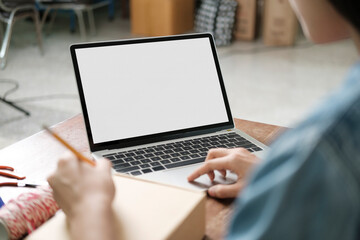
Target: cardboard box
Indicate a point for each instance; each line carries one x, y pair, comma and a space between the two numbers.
246, 20
280, 23
144, 210
161, 17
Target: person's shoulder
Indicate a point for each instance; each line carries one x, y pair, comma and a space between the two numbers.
340, 104
346, 104
354, 75
336, 121
352, 83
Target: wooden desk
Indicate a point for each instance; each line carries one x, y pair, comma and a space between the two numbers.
36, 157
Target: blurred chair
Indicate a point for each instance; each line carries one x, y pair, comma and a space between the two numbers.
79, 7
111, 13
11, 11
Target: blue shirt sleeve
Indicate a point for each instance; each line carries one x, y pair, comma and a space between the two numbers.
309, 184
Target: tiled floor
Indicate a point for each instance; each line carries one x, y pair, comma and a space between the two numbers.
272, 85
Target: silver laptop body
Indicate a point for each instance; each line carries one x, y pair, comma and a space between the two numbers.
154, 106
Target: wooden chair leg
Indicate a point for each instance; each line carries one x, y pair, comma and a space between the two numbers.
80, 17
52, 20
1, 30
38, 31
46, 13
91, 18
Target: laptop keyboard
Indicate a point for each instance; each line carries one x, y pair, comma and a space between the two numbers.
176, 154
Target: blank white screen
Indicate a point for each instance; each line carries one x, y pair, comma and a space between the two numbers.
147, 88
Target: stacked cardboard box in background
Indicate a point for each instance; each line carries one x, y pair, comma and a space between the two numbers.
169, 17
161, 17
246, 20
280, 23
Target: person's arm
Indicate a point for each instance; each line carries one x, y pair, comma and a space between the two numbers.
237, 160
93, 220
320, 21
296, 198
85, 194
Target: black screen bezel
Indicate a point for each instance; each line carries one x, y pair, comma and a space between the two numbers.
153, 137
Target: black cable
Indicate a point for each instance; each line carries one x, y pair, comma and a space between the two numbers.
46, 97
31, 99
11, 90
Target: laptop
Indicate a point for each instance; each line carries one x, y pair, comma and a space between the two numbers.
155, 106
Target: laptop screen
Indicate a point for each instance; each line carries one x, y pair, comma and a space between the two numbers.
144, 88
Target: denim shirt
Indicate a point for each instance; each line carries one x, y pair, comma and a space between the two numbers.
308, 185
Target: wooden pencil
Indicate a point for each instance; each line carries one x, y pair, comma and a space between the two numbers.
68, 146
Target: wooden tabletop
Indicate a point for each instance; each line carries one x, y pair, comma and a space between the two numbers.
36, 157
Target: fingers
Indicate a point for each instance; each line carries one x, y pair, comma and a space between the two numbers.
68, 162
50, 180
223, 172
75, 181
103, 168
226, 191
238, 160
68, 167
212, 154
104, 164
216, 153
208, 167
211, 175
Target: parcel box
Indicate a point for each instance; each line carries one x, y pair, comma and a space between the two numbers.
246, 20
280, 23
161, 17
144, 210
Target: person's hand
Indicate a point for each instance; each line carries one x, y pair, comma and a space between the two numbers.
77, 185
237, 160
85, 194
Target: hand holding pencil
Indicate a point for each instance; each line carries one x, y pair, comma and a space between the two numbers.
85, 194
85, 191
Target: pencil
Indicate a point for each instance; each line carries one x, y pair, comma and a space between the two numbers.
68, 146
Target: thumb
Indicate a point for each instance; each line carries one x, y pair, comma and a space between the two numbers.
226, 191
104, 164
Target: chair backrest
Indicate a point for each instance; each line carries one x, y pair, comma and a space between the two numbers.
83, 1
68, 1
8, 5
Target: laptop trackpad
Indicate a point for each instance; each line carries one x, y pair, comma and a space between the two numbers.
178, 177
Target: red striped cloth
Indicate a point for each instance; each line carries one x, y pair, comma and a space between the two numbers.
28, 211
